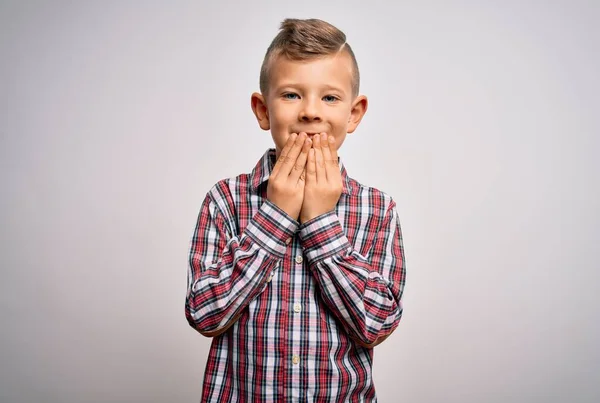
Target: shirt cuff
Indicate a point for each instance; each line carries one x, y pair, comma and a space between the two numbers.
272, 228
323, 236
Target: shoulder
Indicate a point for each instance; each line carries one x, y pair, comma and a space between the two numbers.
376, 198
229, 187
227, 193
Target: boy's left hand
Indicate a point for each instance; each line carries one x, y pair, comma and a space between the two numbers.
323, 185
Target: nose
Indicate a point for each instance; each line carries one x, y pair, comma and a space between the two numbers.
310, 110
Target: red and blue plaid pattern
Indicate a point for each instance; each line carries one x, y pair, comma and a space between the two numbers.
294, 309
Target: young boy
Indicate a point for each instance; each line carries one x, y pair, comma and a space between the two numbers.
296, 269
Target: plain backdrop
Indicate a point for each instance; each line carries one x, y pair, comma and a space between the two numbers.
116, 118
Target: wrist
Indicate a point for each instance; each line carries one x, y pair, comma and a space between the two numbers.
289, 212
312, 215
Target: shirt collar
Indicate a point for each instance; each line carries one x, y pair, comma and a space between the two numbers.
264, 166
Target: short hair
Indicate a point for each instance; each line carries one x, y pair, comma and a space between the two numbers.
300, 40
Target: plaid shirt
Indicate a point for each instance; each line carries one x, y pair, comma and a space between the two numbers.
294, 309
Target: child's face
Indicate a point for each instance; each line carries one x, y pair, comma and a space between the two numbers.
313, 96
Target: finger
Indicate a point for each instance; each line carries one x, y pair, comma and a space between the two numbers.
283, 155
289, 161
334, 154
300, 165
329, 165
319, 163
311, 171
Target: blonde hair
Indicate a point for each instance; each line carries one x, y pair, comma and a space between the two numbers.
301, 40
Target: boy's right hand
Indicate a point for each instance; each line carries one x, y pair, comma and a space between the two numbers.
286, 183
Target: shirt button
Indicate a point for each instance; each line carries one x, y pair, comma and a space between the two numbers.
299, 259
287, 241
295, 359
270, 277
297, 307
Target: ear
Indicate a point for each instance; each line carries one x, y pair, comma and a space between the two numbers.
259, 107
359, 108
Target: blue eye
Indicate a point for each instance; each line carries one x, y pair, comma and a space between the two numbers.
329, 98
290, 95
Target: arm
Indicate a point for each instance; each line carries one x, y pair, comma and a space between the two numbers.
363, 292
227, 271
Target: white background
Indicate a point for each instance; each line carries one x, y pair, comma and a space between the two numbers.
117, 117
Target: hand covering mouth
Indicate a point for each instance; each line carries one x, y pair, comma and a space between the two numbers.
310, 134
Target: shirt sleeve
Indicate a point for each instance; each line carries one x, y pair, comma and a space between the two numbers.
363, 292
227, 271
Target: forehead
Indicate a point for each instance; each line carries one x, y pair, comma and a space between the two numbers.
334, 70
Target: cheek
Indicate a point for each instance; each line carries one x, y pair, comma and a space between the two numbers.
282, 116
339, 128
340, 120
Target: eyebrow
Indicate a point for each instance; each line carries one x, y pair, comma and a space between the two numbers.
334, 88
296, 85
